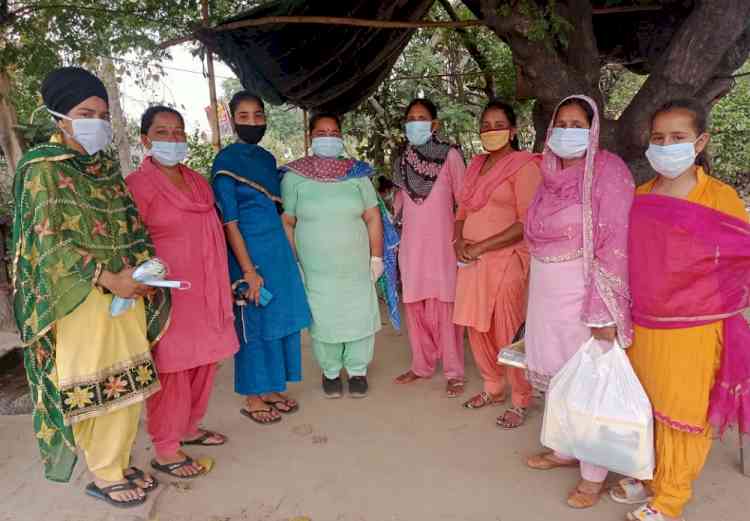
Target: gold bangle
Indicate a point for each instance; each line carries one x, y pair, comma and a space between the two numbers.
97, 274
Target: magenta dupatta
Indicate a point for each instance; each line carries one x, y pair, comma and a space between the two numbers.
690, 266
477, 188
602, 186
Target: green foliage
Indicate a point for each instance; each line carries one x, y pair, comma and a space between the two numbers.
730, 134
201, 154
730, 122
435, 65
285, 135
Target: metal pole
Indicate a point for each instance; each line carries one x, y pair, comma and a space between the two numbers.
215, 131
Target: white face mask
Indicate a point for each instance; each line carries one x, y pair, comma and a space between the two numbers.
168, 153
569, 143
93, 134
671, 161
418, 132
327, 146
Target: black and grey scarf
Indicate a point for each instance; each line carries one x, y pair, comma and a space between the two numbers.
416, 169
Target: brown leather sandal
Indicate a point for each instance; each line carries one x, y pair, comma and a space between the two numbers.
482, 400
455, 387
581, 499
547, 461
407, 378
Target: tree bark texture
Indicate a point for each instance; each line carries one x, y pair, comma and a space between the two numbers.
12, 145
707, 44
10, 141
108, 76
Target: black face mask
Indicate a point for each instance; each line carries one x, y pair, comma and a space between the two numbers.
251, 134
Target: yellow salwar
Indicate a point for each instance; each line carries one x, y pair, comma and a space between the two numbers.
106, 441
105, 363
677, 368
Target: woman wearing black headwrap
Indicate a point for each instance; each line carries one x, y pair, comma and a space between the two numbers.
77, 236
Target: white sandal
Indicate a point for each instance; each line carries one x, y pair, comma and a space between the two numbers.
646, 513
635, 492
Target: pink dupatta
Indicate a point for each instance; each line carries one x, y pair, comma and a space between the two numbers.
603, 186
477, 188
690, 266
216, 272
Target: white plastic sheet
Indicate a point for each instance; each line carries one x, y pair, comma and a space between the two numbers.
598, 412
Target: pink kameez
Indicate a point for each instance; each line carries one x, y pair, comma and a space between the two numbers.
427, 263
189, 237
577, 231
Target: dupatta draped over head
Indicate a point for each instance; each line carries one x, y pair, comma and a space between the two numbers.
603, 186
416, 169
327, 170
691, 267
73, 218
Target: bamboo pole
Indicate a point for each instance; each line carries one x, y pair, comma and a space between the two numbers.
327, 20
377, 24
306, 123
215, 130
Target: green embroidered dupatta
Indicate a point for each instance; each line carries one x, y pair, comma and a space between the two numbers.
73, 217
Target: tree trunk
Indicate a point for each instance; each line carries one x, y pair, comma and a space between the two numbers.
12, 148
119, 122
10, 142
696, 63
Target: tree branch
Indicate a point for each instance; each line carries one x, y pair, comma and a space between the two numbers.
473, 49
680, 73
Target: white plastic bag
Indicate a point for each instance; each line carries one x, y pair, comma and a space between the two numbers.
598, 412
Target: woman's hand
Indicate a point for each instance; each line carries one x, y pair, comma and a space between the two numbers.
460, 247
255, 282
604, 333
122, 284
473, 250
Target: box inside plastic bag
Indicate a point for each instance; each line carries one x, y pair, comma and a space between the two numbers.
598, 412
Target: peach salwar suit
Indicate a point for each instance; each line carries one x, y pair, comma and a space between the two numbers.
491, 291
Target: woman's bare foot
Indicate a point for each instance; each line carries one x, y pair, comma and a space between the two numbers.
205, 438
193, 469
281, 402
547, 460
407, 378
260, 411
123, 496
586, 494
483, 399
454, 387
145, 483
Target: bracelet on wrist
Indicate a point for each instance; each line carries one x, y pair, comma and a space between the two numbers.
97, 275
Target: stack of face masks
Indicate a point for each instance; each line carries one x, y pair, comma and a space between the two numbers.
150, 273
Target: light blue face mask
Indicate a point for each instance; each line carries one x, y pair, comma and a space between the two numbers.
169, 153
418, 132
327, 146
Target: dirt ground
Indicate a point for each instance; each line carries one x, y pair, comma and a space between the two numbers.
403, 453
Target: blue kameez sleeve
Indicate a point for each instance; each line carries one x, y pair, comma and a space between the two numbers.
225, 190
